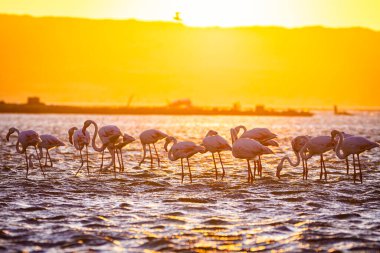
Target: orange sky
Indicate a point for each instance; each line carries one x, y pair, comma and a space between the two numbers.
78, 61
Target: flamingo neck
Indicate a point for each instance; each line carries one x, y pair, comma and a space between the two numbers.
234, 136
297, 162
170, 153
93, 143
338, 148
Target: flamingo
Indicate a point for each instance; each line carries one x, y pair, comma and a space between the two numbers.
148, 137
248, 149
118, 148
28, 138
109, 136
214, 143
181, 150
49, 142
297, 144
336, 139
354, 145
262, 135
80, 140
317, 146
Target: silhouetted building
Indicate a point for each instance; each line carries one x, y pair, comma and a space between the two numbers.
236, 107
260, 108
34, 101
181, 103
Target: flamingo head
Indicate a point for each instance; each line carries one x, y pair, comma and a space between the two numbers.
211, 133
334, 133
71, 132
10, 132
128, 139
86, 124
278, 171
167, 142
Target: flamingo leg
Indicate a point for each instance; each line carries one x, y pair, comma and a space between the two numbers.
81, 158
114, 159
260, 167
151, 157
101, 164
216, 169
353, 156
347, 164
320, 174
51, 161
46, 157
307, 169
118, 160
143, 158
254, 171
188, 164
221, 162
27, 164
324, 168
248, 170
303, 169
183, 174
88, 168
360, 170
39, 161
158, 157
121, 158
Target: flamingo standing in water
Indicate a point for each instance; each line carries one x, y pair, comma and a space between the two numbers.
28, 138
297, 144
317, 146
336, 139
49, 142
109, 136
148, 137
181, 150
354, 145
127, 139
248, 149
262, 135
214, 143
80, 140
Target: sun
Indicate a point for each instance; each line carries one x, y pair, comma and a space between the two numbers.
226, 13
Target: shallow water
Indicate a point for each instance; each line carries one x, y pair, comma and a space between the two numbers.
148, 209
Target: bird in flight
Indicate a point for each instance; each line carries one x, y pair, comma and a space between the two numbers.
177, 17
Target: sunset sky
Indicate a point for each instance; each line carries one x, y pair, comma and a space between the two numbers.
104, 62
288, 13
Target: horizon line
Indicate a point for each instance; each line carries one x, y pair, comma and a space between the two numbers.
190, 26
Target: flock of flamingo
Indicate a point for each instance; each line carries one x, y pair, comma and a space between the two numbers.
250, 145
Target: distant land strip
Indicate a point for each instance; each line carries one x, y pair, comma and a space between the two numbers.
164, 110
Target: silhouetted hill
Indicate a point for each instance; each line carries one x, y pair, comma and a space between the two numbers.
69, 60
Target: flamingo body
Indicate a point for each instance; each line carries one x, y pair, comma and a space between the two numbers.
148, 137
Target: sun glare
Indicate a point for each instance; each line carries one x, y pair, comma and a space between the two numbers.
230, 14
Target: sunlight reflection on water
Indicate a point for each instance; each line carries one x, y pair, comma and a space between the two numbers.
150, 209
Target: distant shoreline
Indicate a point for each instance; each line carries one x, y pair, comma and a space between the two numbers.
58, 109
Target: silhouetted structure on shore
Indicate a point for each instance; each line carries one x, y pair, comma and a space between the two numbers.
178, 107
337, 112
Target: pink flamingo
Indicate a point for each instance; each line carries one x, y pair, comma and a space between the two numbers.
248, 149
151, 136
354, 145
181, 150
214, 143
28, 138
297, 144
49, 142
80, 140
